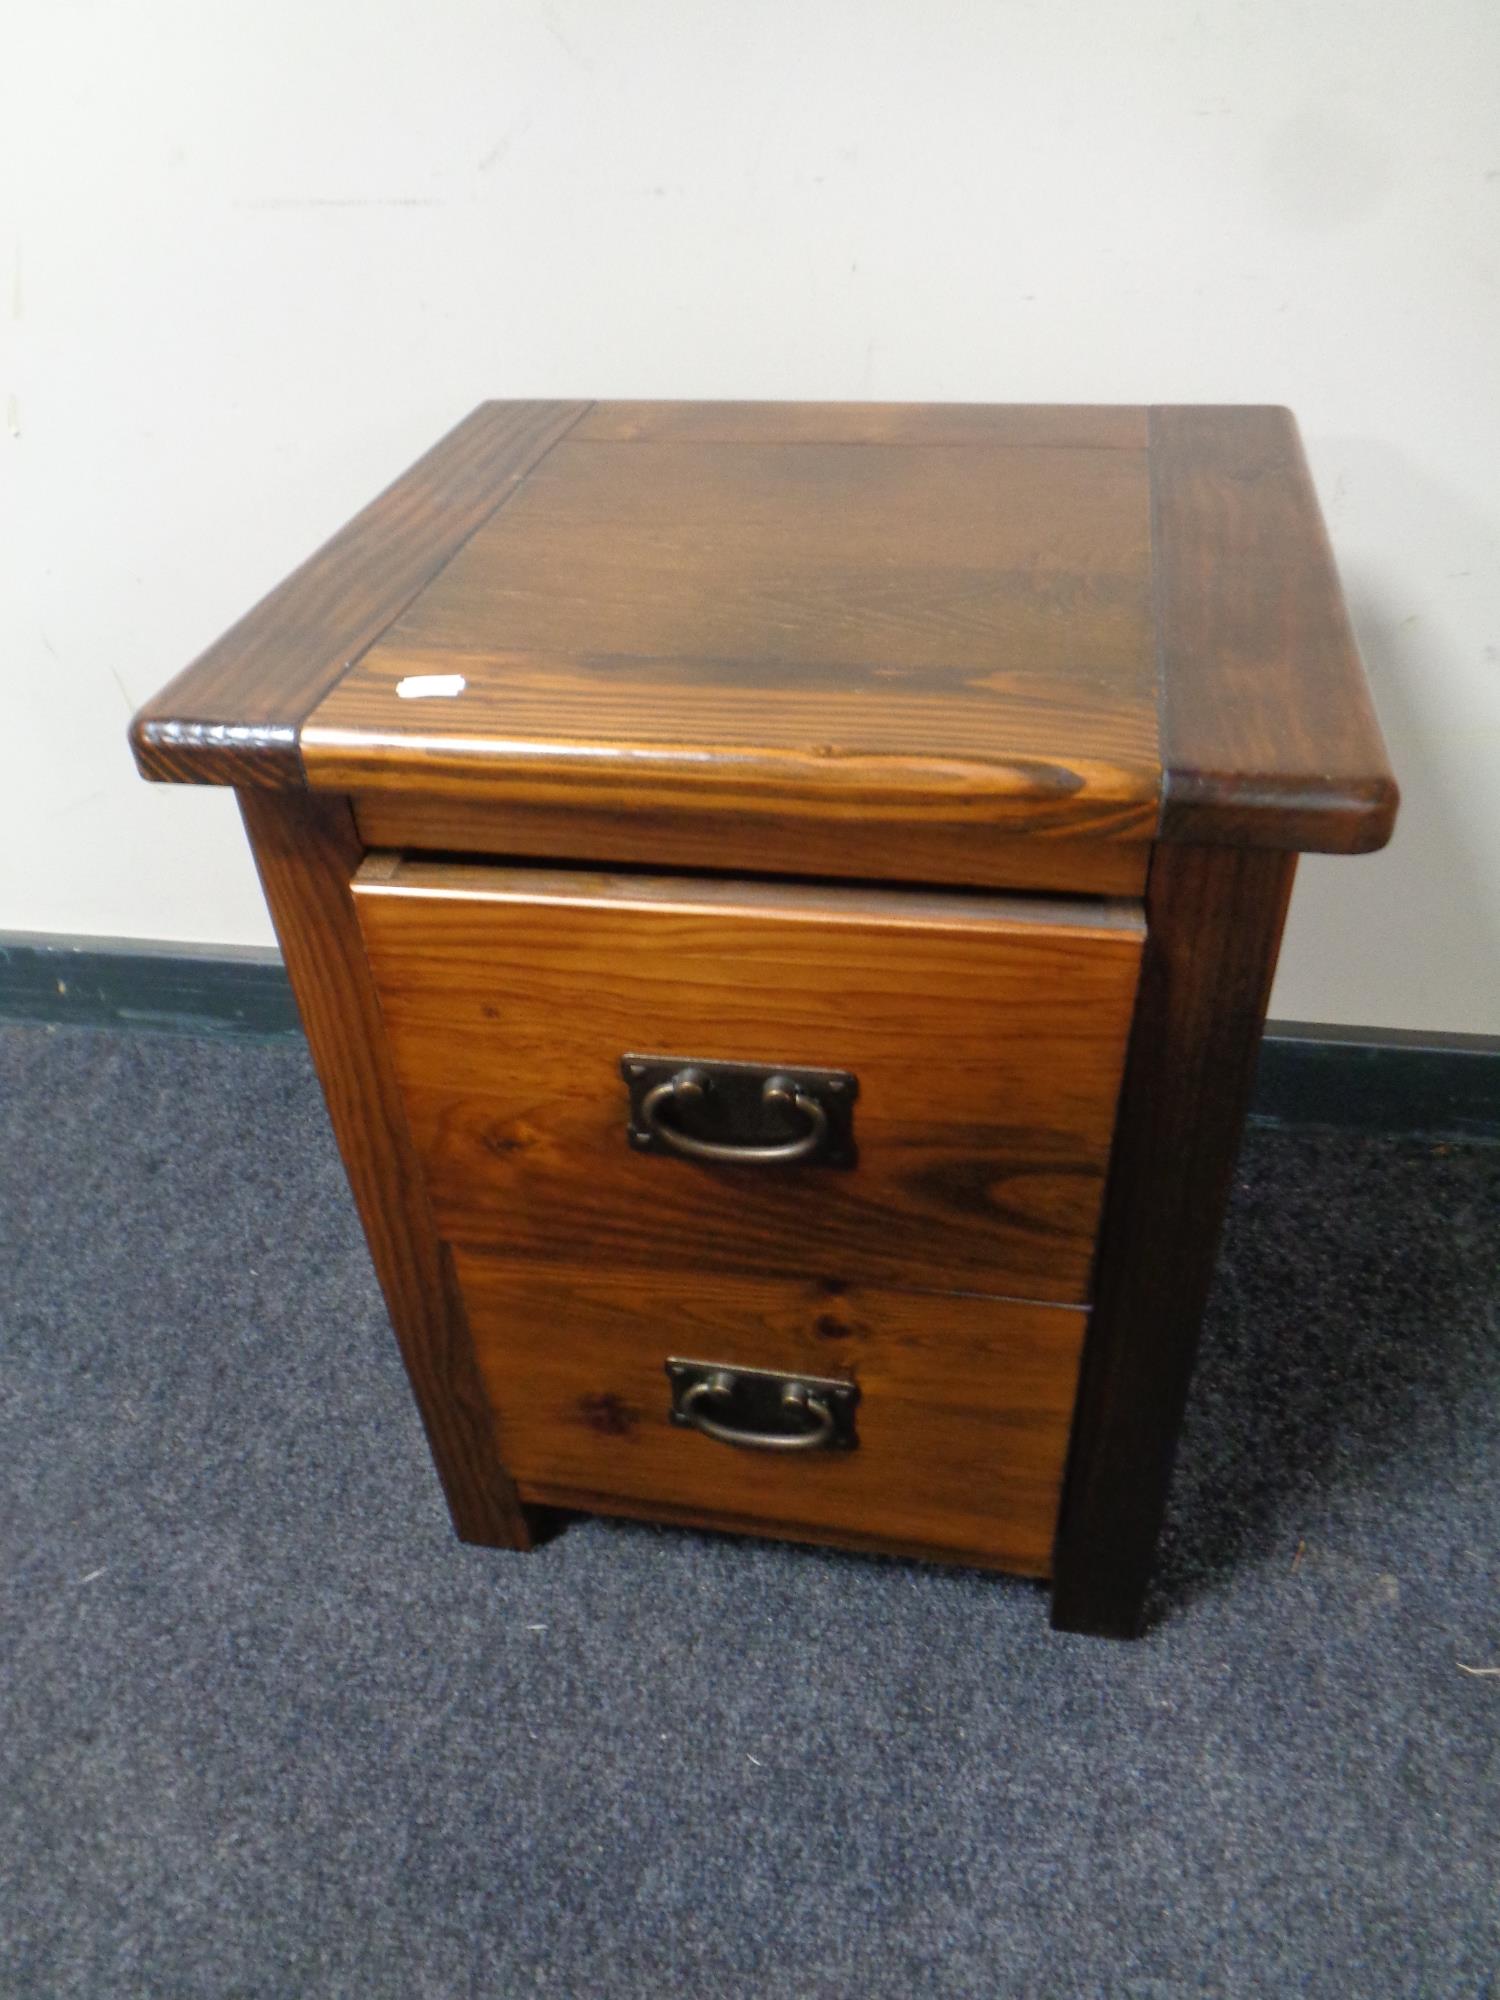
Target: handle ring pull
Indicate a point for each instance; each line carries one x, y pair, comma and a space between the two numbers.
780, 1093
798, 1403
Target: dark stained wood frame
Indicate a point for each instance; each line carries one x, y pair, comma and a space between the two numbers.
307, 850
1268, 735
235, 716
1213, 925
1268, 746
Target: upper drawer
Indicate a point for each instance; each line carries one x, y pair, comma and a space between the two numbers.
987, 1036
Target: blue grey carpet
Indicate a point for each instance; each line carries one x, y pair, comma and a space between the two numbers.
268, 1730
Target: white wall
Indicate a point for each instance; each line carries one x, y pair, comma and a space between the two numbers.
259, 255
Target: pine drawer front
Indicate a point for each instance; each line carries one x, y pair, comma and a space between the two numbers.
961, 1420
985, 1038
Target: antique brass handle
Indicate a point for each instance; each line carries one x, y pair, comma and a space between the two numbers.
797, 1403
778, 1093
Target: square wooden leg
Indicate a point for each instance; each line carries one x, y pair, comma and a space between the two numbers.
1214, 918
307, 849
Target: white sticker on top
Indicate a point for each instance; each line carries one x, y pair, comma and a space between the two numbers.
419, 687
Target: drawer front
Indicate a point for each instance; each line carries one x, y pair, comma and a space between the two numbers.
986, 1037
961, 1422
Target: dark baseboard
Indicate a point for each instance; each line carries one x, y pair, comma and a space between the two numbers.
173, 989
1444, 1088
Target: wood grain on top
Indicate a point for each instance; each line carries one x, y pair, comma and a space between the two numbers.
1097, 425
954, 637
1268, 735
845, 627
233, 717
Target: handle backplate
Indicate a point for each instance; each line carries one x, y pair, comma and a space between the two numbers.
741, 1114
762, 1409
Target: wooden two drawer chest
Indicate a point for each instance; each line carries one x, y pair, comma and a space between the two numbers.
783, 899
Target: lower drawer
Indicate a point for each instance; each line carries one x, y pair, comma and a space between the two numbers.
961, 1422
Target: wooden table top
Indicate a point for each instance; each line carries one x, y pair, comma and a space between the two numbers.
1104, 624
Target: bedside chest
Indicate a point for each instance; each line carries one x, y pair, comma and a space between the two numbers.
783, 899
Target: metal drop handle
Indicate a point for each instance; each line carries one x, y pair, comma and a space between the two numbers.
797, 1402
688, 1086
